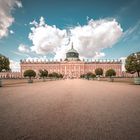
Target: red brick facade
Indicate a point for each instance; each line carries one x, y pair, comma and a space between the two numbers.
71, 69
72, 66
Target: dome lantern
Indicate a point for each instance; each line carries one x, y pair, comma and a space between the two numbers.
72, 54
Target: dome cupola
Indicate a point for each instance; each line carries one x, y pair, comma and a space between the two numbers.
72, 54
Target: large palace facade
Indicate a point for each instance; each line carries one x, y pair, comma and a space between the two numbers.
72, 66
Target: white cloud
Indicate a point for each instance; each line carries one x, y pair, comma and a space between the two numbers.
18, 3
23, 48
45, 38
11, 32
89, 40
96, 36
14, 65
6, 19
99, 55
132, 33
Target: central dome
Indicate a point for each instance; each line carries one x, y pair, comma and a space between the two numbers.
72, 54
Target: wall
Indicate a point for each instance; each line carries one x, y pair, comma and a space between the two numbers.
71, 69
10, 74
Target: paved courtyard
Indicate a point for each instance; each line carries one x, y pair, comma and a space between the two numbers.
70, 110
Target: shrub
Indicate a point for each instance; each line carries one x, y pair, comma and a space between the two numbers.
83, 76
99, 71
110, 73
43, 73
60, 75
55, 75
90, 75
50, 75
29, 73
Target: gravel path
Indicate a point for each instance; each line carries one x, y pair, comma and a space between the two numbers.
70, 110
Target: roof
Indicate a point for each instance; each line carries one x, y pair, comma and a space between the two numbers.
72, 50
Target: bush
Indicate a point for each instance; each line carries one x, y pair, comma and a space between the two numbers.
90, 75
60, 75
29, 73
43, 73
110, 73
99, 71
82, 76
50, 75
55, 75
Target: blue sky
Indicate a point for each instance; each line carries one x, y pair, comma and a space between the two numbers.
70, 15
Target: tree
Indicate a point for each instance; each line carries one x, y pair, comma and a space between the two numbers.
55, 75
43, 73
83, 76
29, 73
132, 63
50, 75
60, 75
90, 75
110, 73
99, 71
4, 63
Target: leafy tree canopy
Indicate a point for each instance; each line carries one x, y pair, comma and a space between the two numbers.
132, 63
83, 76
55, 75
90, 75
43, 73
60, 75
99, 71
29, 73
50, 75
4, 63
110, 72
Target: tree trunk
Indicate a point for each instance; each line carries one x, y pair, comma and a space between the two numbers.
44, 79
30, 80
0, 82
138, 73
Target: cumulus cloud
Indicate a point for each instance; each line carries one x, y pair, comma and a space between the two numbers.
95, 36
14, 65
6, 19
23, 48
99, 55
89, 40
45, 38
11, 32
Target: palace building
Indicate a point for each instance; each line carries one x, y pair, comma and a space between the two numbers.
72, 66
